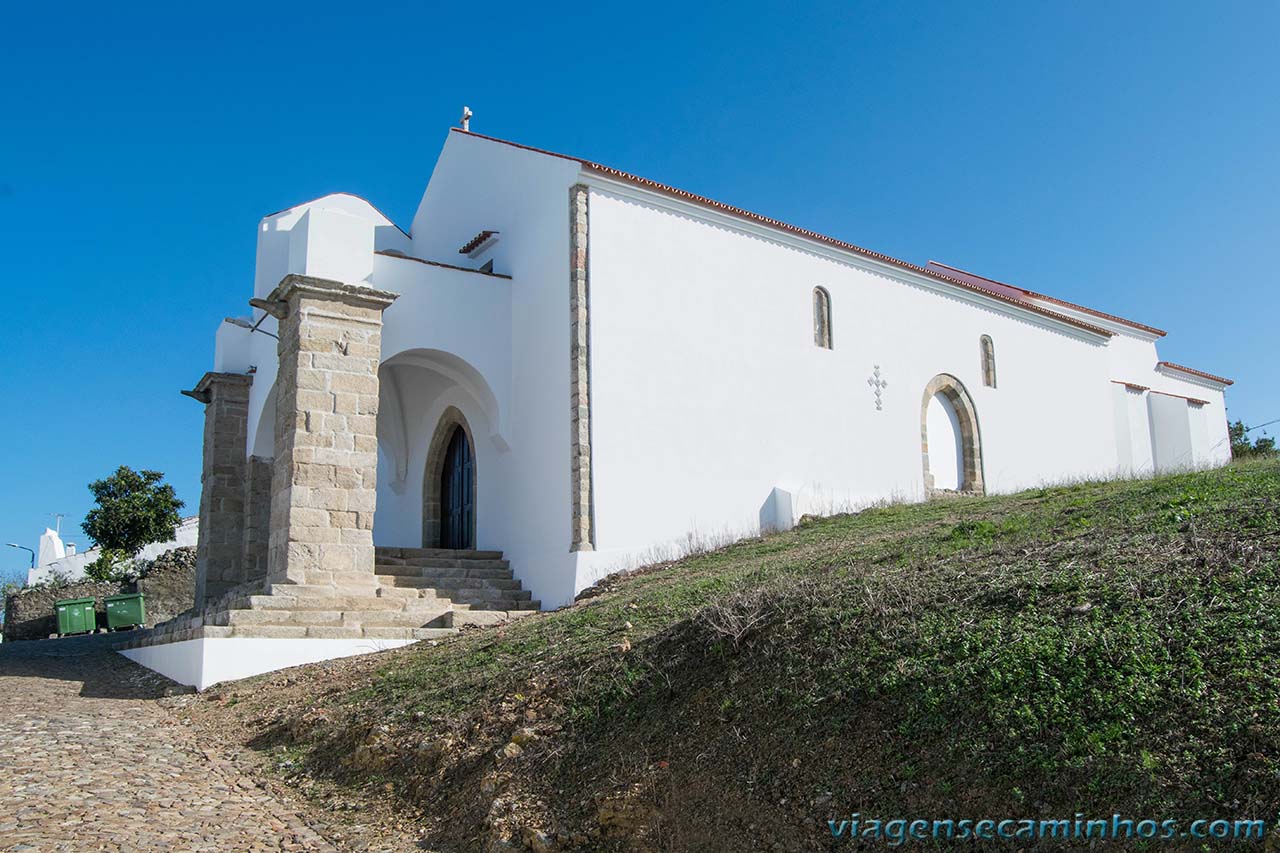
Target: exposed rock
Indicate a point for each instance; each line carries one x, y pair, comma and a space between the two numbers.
537, 840
625, 813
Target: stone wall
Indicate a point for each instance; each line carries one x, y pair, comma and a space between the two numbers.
257, 518
222, 483
169, 587
583, 529
324, 484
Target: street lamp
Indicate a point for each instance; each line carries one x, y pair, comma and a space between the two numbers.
25, 548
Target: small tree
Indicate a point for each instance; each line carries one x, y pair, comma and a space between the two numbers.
134, 509
1242, 448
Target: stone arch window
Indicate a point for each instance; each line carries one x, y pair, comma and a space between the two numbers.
450, 420
822, 318
988, 361
969, 437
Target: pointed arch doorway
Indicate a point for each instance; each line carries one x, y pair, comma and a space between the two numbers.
457, 499
449, 486
950, 441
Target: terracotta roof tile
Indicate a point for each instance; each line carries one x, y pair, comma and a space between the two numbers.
1192, 400
993, 292
1031, 294
476, 242
1169, 365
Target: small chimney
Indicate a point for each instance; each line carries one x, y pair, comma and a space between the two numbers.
466, 118
71, 549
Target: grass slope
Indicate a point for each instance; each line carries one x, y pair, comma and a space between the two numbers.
1095, 648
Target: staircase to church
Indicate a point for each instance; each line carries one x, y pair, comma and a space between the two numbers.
478, 586
414, 594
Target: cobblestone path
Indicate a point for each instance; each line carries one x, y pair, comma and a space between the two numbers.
89, 760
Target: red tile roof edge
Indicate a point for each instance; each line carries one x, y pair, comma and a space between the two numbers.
393, 254
1195, 400
1132, 385
609, 171
1064, 303
472, 244
1191, 370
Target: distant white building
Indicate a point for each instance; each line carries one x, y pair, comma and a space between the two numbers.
581, 368
57, 559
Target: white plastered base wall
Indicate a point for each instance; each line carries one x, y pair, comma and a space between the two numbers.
204, 662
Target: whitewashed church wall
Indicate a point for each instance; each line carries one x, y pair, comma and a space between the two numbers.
1139, 433
708, 389
463, 314
480, 185
425, 397
1212, 443
1171, 437
1132, 359
277, 251
335, 236
1125, 453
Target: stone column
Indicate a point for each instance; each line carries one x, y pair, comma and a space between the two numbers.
324, 480
582, 532
257, 517
222, 482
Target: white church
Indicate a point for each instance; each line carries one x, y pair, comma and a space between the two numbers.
559, 370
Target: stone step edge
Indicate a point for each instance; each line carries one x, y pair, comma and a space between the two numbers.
282, 632
331, 618
443, 571
436, 553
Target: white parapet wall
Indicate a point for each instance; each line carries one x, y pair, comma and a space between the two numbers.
203, 662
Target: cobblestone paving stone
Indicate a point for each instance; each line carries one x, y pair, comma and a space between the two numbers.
90, 760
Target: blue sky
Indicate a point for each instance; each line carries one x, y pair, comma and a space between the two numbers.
1119, 155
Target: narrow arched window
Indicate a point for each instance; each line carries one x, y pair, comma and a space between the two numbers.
822, 318
988, 362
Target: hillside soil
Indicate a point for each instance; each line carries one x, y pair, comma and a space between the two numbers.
1091, 649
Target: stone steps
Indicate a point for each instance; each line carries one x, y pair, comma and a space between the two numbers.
357, 589
341, 602
471, 581
392, 554
190, 630
467, 570
471, 597
445, 563
415, 582
433, 618
414, 594
485, 618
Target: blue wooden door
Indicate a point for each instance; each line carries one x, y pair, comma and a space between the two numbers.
457, 498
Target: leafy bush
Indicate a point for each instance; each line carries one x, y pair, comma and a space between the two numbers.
112, 565
134, 509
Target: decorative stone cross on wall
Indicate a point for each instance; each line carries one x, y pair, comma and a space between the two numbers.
879, 385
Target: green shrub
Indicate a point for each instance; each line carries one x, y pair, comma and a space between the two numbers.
1242, 448
134, 509
112, 565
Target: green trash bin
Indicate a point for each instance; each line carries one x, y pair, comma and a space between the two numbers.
125, 610
75, 615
